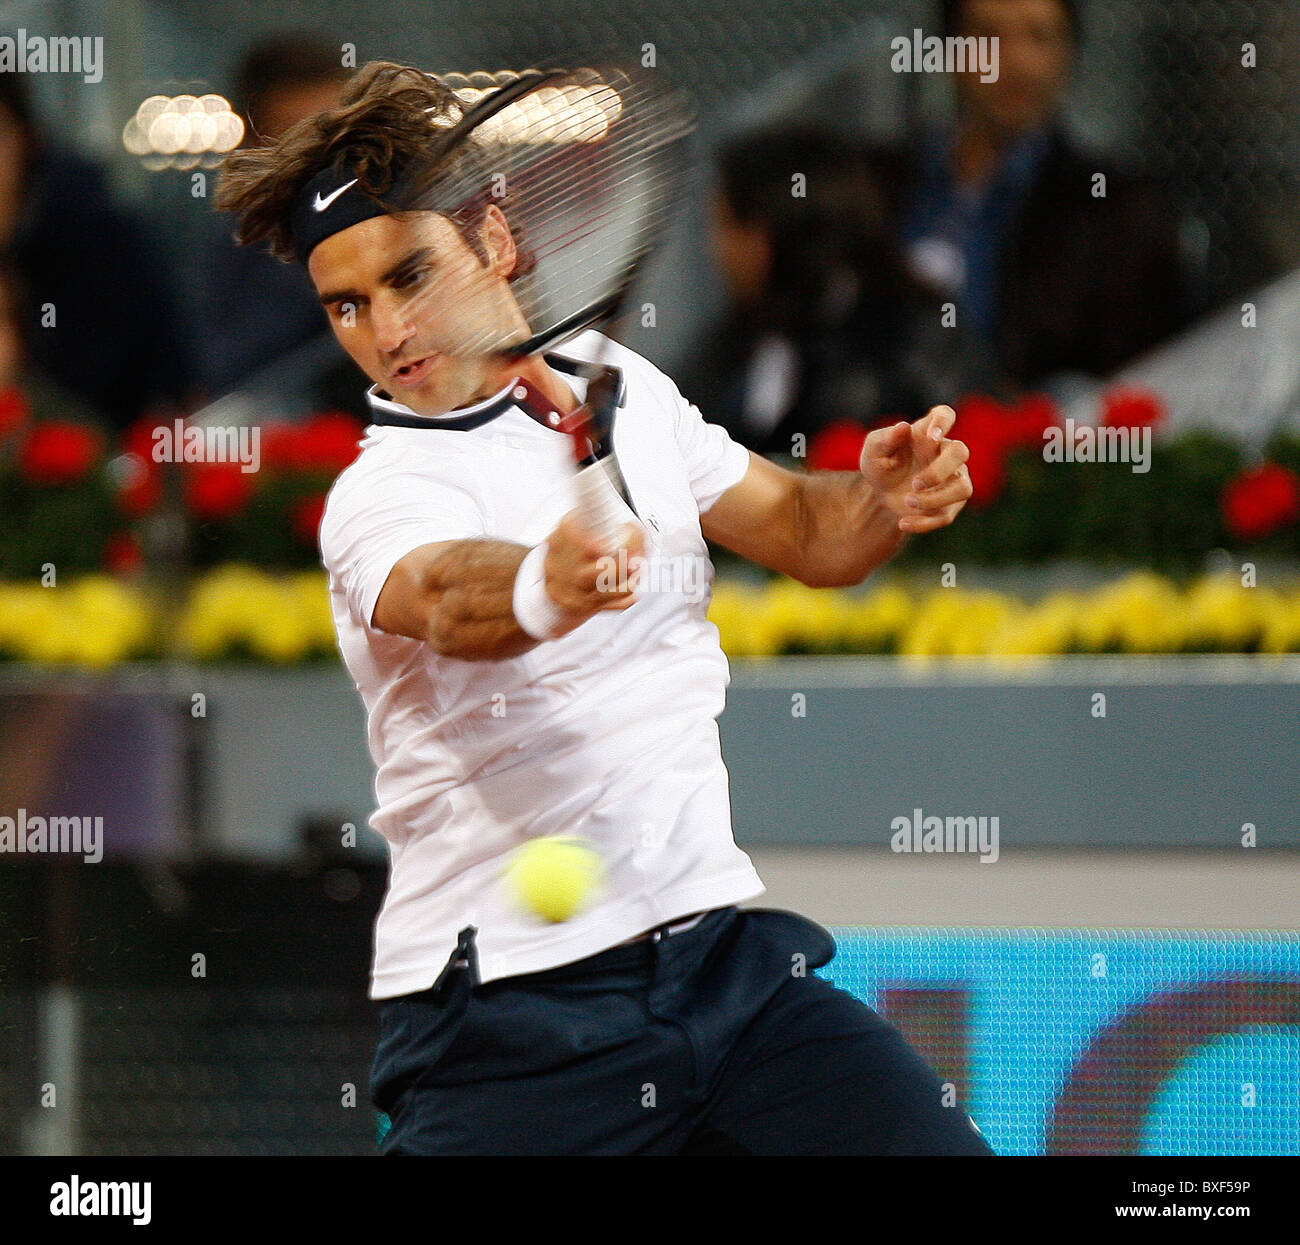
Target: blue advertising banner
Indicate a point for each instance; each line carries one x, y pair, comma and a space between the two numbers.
1098, 1041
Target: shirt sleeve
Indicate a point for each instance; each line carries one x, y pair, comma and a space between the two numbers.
714, 462
371, 524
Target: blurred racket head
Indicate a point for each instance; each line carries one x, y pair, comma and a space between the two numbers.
586, 165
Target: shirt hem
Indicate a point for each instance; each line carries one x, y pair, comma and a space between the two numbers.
635, 917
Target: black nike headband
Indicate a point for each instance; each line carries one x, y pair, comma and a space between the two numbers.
333, 201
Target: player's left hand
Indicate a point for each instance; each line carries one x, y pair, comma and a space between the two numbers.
918, 472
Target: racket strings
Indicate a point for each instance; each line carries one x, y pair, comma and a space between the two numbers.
586, 198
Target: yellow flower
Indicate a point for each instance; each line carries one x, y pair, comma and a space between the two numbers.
236, 608
95, 621
56, 641
742, 619
792, 612
1281, 624
101, 647
26, 611
1044, 629
728, 610
827, 613
113, 621
1141, 613
954, 622
281, 635
309, 591
875, 621
1224, 615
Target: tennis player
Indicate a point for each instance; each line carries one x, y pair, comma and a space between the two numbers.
514, 688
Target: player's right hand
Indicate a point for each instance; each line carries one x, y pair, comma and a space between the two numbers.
583, 577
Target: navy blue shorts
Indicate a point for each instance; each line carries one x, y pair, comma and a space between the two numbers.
719, 1039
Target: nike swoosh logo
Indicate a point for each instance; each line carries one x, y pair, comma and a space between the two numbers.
322, 203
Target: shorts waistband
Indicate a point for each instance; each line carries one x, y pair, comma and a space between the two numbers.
651, 935
665, 931
621, 954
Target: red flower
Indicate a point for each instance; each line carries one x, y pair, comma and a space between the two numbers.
991, 431
331, 441
980, 426
139, 438
142, 491
1257, 502
218, 490
325, 443
281, 446
1132, 408
59, 453
14, 411
306, 518
122, 553
837, 447
1028, 421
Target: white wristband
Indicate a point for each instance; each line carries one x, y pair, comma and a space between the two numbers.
534, 610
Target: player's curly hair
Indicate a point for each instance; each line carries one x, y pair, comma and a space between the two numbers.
383, 124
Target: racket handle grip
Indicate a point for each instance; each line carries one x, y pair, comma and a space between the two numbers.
603, 510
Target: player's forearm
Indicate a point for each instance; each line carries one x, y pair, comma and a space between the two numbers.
845, 529
470, 595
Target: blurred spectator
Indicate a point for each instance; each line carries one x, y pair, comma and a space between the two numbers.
103, 320
823, 322
285, 78
252, 308
1002, 213
26, 392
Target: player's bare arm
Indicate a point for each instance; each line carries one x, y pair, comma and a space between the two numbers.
832, 529
458, 596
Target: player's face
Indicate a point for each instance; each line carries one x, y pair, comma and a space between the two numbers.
1034, 51
417, 309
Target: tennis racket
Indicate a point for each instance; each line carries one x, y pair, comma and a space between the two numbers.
586, 166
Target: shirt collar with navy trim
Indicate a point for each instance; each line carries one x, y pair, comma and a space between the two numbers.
385, 410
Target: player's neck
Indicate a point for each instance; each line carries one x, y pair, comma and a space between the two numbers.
535, 371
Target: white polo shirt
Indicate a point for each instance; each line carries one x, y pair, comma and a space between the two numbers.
609, 732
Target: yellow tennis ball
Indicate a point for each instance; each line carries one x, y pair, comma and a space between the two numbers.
554, 876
